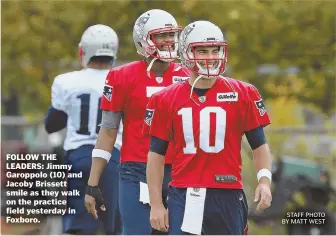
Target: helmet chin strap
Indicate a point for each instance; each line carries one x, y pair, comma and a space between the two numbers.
152, 62
192, 88
150, 66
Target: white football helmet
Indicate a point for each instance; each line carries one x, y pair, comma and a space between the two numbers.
98, 40
153, 22
203, 33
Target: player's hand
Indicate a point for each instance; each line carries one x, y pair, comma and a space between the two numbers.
159, 218
93, 195
263, 195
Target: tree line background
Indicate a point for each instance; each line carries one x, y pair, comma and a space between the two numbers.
294, 39
285, 48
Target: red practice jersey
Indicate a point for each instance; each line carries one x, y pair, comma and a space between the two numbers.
127, 90
207, 136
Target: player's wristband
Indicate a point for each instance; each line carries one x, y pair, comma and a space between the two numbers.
264, 173
101, 154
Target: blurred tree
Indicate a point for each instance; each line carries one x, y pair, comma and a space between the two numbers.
41, 38
287, 34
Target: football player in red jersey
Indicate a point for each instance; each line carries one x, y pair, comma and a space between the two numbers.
205, 119
125, 98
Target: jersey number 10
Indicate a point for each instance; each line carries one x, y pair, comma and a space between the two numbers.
204, 135
85, 114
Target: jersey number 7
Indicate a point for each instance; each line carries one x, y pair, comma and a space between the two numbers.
204, 134
85, 114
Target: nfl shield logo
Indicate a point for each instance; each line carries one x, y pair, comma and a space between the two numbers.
202, 99
107, 92
159, 79
149, 116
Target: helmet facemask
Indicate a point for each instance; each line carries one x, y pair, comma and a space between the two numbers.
163, 50
207, 67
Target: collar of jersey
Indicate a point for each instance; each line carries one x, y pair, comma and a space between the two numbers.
195, 95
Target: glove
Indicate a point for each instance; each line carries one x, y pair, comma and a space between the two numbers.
95, 192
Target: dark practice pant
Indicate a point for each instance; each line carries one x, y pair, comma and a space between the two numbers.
225, 211
82, 222
135, 214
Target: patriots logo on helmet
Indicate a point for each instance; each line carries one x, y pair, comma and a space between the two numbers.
184, 36
149, 116
261, 107
187, 31
108, 92
142, 21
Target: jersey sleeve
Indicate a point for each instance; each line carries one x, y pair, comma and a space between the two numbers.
158, 119
114, 93
58, 100
256, 113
